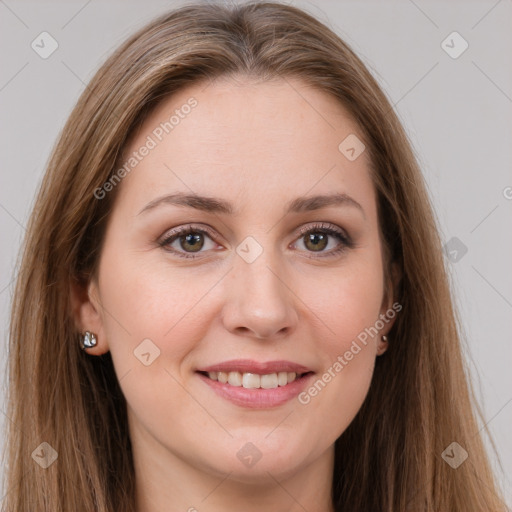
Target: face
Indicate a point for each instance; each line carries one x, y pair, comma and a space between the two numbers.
255, 279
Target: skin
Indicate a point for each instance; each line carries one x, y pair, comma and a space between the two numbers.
257, 145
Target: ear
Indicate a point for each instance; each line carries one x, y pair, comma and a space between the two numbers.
389, 308
88, 313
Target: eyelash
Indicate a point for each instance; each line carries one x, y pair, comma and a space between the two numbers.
323, 228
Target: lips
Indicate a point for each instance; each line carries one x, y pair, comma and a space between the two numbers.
261, 368
255, 384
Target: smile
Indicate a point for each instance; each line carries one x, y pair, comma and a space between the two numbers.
256, 385
253, 380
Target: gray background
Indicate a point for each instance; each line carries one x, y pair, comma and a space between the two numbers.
456, 111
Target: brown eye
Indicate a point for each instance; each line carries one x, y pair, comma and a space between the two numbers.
316, 241
187, 241
325, 239
192, 242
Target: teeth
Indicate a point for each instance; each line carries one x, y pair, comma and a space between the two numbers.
253, 380
235, 379
282, 378
270, 381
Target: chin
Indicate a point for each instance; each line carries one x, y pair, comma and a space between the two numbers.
257, 462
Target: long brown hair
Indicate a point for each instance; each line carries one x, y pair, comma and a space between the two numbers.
390, 457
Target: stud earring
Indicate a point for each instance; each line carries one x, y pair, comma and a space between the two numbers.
382, 349
88, 340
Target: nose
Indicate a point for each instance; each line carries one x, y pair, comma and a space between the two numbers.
259, 303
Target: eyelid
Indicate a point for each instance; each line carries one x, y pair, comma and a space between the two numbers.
320, 226
192, 227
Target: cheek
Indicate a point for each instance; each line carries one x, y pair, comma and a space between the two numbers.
348, 305
152, 308
151, 299
154, 316
347, 300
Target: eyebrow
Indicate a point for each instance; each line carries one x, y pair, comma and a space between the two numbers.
217, 205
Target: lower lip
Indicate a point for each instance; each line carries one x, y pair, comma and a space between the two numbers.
258, 398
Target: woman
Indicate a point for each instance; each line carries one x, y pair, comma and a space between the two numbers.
235, 231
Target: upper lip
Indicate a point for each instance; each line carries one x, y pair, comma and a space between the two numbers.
250, 366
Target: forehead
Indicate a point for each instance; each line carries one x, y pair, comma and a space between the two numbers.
248, 141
